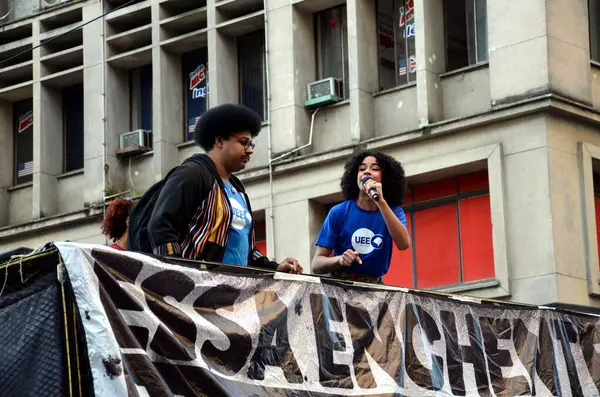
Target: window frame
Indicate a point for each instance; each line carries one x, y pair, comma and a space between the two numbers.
492, 155
594, 27
136, 98
344, 38
410, 210
587, 153
471, 35
65, 132
395, 27
184, 84
264, 115
14, 133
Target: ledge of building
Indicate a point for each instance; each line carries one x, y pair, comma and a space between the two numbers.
543, 103
50, 222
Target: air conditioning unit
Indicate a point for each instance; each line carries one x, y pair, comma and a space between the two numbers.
44, 4
324, 92
134, 142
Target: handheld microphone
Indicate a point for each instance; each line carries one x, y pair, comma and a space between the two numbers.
372, 192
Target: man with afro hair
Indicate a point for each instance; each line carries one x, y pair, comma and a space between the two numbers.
201, 210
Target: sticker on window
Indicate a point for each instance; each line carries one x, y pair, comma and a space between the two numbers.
412, 64
408, 13
402, 67
25, 121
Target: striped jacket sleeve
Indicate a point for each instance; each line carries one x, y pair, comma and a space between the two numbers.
175, 207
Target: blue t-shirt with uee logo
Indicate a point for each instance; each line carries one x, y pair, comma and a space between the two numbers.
350, 227
238, 245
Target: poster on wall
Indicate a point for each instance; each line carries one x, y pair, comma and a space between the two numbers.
195, 69
23, 131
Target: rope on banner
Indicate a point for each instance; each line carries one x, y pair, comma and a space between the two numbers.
64, 302
5, 279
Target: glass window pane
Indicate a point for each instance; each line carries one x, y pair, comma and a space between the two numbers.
594, 15
409, 33
481, 27
457, 48
471, 31
73, 119
197, 88
251, 58
387, 53
23, 131
396, 38
332, 42
146, 97
436, 246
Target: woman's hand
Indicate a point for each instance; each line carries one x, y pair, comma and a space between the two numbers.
348, 258
373, 184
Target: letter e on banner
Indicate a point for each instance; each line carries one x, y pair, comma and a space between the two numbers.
324, 311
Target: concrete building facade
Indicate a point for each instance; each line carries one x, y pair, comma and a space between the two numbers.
493, 108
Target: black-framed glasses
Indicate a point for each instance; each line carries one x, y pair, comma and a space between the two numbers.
248, 143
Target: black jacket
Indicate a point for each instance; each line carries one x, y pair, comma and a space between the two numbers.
191, 216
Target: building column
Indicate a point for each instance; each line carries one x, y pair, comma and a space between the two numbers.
167, 106
553, 38
569, 49
510, 80
47, 139
362, 66
222, 62
6, 158
431, 60
95, 114
291, 68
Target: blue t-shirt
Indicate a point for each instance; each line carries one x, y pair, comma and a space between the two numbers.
238, 245
350, 227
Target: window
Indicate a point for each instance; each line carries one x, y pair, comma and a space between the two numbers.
597, 206
396, 38
466, 33
260, 235
332, 45
251, 58
196, 88
73, 127
451, 229
594, 13
140, 95
23, 132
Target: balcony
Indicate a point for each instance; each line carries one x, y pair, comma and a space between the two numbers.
129, 36
233, 9
16, 57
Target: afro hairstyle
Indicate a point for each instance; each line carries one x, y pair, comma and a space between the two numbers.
223, 121
114, 224
393, 177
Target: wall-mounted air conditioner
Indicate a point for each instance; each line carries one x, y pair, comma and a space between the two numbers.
134, 142
44, 4
324, 92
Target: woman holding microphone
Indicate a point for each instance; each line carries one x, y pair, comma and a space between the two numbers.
361, 230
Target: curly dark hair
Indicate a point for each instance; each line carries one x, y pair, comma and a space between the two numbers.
115, 218
393, 177
223, 121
